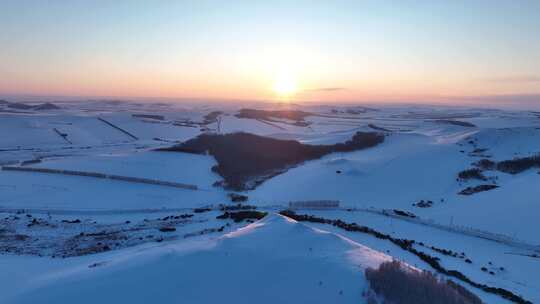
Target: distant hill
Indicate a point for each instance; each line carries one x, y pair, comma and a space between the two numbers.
23, 106
46, 106
19, 106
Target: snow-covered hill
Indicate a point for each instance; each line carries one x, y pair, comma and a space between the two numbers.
273, 260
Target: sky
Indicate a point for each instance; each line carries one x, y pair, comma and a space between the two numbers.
266, 50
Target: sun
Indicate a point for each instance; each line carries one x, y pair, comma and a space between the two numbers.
285, 86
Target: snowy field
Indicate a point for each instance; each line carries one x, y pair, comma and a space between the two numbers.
274, 259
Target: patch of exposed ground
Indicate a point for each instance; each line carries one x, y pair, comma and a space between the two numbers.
27, 234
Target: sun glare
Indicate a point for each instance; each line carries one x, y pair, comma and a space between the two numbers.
285, 87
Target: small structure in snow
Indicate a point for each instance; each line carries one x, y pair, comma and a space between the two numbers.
315, 204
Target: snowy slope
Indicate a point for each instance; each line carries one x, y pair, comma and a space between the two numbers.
183, 168
275, 260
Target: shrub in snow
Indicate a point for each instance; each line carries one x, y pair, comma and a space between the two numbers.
423, 204
404, 213
479, 188
237, 197
399, 284
167, 229
201, 210
485, 164
474, 173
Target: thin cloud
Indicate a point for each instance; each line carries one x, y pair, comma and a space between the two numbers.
330, 89
516, 79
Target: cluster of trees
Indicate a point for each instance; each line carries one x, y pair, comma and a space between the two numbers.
511, 166
518, 165
296, 115
243, 157
456, 123
242, 215
236, 207
201, 210
397, 283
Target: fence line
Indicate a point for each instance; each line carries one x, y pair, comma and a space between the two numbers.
118, 128
314, 204
55, 211
496, 237
63, 135
103, 176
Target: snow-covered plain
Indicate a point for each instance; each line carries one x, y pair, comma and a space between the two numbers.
274, 259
